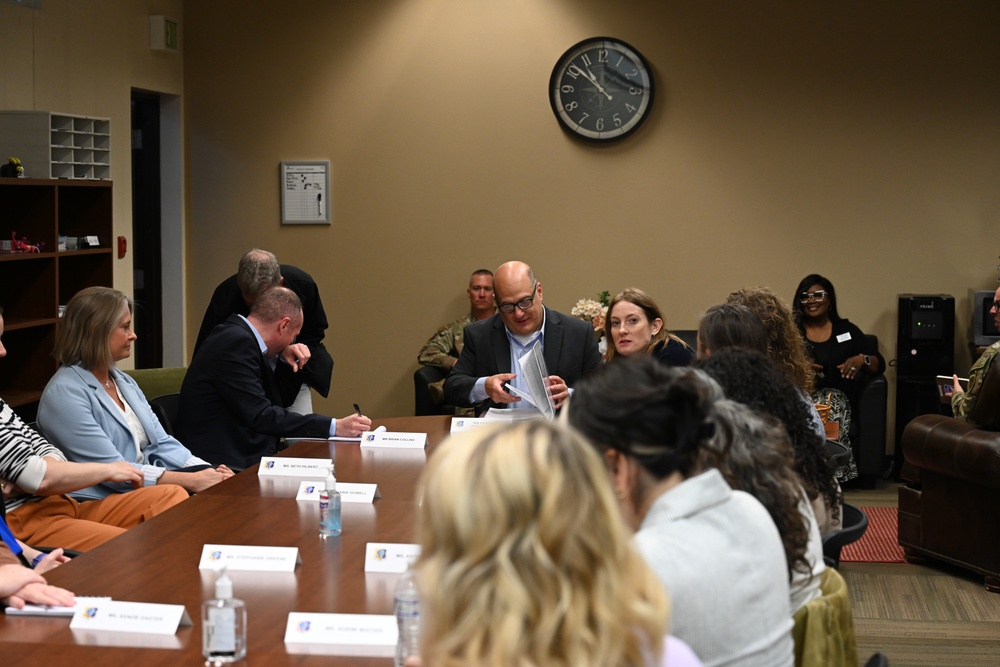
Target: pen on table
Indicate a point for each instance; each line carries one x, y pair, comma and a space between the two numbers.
357, 409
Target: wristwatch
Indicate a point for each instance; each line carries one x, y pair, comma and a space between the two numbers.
868, 360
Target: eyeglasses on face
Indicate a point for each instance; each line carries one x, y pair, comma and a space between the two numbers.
523, 304
818, 295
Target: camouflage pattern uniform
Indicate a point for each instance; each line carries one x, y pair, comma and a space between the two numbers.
962, 403
442, 351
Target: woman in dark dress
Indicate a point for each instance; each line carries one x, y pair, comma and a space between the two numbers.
841, 354
634, 325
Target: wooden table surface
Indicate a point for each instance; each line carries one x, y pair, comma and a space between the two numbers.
157, 561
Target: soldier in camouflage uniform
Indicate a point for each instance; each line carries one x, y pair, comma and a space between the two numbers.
962, 402
443, 348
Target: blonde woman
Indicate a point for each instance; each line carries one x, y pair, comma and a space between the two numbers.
525, 561
95, 413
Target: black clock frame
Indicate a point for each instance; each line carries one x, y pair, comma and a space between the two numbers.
561, 70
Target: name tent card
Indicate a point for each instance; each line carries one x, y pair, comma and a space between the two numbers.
249, 558
459, 424
387, 557
376, 631
398, 440
349, 492
292, 467
145, 617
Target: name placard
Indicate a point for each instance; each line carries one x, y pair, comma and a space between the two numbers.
250, 558
459, 424
397, 440
349, 492
376, 631
145, 617
387, 557
292, 467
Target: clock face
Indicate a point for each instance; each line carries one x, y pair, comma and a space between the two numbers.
601, 89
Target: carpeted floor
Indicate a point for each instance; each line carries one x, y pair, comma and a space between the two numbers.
878, 544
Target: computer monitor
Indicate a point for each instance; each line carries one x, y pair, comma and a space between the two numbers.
984, 331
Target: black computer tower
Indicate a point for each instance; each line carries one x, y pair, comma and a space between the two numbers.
925, 348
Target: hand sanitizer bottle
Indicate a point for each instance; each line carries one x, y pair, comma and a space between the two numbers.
329, 508
223, 624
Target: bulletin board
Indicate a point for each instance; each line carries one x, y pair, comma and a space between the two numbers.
305, 193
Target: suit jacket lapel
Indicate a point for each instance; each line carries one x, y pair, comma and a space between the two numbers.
553, 341
501, 346
266, 372
102, 396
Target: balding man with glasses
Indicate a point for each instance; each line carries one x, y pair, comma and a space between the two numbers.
493, 346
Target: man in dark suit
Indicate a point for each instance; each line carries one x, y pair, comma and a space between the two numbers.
493, 346
258, 270
230, 408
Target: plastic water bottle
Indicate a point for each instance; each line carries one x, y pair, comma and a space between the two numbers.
407, 608
329, 508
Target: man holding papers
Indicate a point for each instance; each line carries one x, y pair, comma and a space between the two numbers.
231, 408
493, 348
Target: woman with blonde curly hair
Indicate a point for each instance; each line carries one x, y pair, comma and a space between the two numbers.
634, 325
525, 562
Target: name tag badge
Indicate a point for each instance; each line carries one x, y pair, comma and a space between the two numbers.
349, 492
385, 557
249, 558
377, 633
844, 337
292, 467
393, 440
145, 617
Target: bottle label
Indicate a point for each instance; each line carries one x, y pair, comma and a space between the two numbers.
221, 630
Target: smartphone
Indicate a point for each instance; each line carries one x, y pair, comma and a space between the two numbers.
946, 386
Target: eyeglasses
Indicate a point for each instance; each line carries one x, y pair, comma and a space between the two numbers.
818, 295
523, 304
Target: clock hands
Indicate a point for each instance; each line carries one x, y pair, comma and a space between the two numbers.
586, 71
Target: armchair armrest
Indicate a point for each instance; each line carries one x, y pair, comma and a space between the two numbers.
953, 447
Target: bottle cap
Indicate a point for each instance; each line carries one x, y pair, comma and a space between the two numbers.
223, 586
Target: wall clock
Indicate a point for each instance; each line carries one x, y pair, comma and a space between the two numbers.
601, 89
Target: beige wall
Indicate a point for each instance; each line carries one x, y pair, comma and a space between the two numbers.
84, 57
861, 142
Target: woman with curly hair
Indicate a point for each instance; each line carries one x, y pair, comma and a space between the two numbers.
786, 347
524, 560
750, 378
634, 325
716, 550
754, 454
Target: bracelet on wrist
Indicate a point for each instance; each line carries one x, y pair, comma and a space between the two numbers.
36, 560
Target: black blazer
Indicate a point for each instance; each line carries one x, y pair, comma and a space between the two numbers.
230, 407
227, 300
570, 351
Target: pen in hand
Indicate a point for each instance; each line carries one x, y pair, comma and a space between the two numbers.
357, 409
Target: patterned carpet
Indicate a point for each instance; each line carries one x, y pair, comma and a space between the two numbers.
878, 544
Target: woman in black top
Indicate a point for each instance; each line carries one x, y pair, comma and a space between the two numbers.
840, 352
634, 325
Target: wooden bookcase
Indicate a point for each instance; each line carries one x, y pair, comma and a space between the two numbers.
34, 285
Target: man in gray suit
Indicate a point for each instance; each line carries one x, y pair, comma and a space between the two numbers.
493, 346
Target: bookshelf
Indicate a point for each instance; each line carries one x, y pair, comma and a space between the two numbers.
34, 285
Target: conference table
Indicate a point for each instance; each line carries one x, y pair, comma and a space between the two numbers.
158, 561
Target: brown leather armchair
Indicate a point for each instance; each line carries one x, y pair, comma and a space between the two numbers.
949, 509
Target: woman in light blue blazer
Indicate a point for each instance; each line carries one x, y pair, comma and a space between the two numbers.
95, 413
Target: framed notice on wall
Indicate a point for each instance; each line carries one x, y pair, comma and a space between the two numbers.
305, 193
